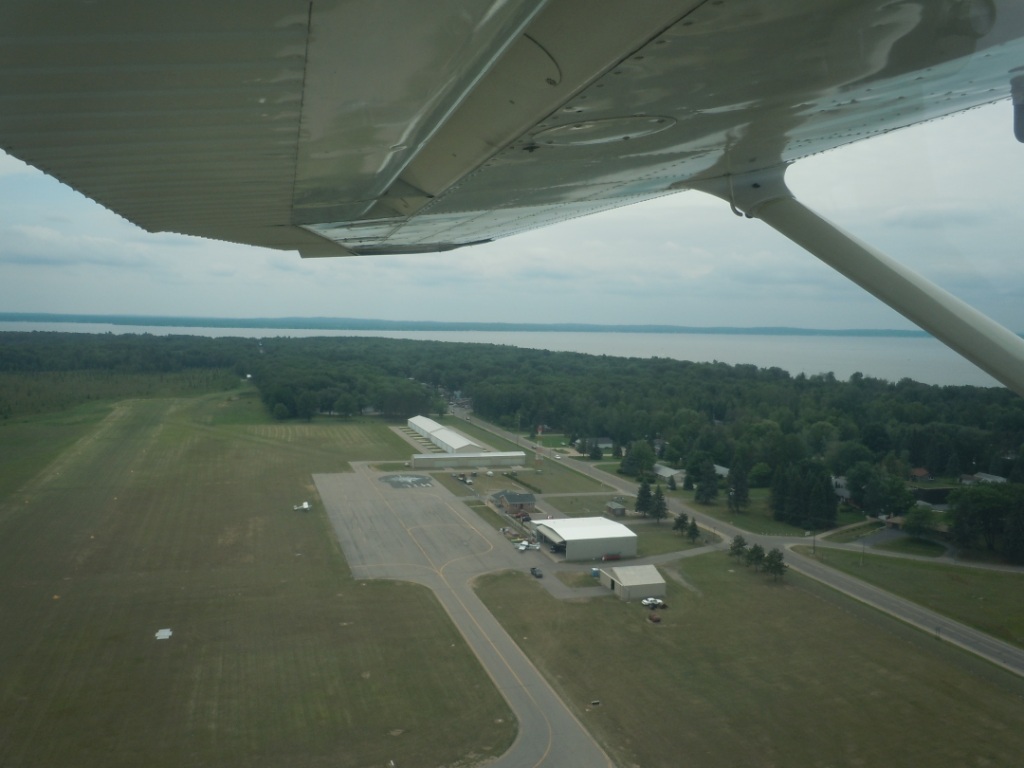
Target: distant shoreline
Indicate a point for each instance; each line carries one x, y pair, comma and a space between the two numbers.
361, 324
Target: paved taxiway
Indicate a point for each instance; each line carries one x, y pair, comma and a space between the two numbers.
426, 535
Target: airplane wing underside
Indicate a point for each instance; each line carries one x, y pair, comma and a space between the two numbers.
390, 126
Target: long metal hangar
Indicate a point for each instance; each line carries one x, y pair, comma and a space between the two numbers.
588, 538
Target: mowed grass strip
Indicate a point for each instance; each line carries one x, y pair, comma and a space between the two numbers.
167, 515
989, 600
659, 539
28, 445
757, 517
909, 545
590, 505
746, 671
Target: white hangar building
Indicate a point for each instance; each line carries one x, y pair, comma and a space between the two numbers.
448, 440
588, 538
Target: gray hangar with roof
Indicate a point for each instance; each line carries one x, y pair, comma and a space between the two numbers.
588, 538
633, 582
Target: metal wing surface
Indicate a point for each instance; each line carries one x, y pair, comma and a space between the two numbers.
396, 126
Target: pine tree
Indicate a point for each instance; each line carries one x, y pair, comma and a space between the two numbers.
755, 556
707, 486
774, 563
644, 498
738, 548
659, 507
739, 489
692, 531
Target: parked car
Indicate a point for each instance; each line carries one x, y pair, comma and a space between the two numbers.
536, 572
653, 602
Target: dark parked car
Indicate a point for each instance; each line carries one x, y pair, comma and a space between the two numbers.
537, 573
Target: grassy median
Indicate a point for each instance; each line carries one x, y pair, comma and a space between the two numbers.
989, 600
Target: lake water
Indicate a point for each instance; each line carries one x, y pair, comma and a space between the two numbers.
891, 358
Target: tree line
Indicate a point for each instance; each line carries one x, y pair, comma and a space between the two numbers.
989, 516
771, 417
791, 434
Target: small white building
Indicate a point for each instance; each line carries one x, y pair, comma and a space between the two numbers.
588, 538
633, 582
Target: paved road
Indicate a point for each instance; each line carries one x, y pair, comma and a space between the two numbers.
426, 535
996, 651
1003, 654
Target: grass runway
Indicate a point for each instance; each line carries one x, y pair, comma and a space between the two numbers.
178, 513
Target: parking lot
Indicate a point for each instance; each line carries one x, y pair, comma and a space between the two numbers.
410, 530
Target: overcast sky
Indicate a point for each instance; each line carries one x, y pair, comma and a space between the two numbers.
940, 198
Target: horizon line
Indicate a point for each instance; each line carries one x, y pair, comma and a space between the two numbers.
376, 324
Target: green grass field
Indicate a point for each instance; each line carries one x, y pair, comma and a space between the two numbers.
744, 671
177, 513
488, 515
29, 444
659, 538
585, 506
989, 600
118, 519
757, 517
556, 477
576, 579
914, 546
555, 441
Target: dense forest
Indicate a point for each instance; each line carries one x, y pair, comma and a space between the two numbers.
791, 433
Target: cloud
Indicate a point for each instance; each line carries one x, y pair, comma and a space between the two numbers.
937, 199
929, 217
46, 247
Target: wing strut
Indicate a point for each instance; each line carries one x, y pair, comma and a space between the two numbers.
765, 196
